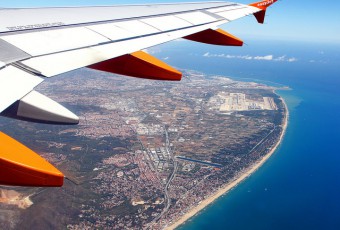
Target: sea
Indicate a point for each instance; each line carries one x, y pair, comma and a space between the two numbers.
299, 186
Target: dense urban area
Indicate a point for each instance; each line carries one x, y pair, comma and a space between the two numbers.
145, 152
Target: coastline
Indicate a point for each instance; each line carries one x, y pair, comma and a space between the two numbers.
224, 190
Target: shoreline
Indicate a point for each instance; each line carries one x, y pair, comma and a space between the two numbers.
224, 190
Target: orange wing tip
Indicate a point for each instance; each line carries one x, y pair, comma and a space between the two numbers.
140, 65
215, 37
260, 16
263, 5
20, 166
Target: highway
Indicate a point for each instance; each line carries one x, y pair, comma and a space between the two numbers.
167, 200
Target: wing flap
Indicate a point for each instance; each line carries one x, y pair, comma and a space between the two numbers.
166, 23
124, 30
112, 31
15, 84
10, 53
137, 27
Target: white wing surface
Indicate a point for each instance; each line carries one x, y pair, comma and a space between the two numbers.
50, 41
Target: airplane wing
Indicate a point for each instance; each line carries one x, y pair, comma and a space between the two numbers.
39, 43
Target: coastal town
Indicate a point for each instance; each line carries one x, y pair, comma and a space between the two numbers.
146, 154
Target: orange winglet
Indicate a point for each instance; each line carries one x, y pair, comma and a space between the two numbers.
263, 5
260, 16
215, 37
20, 166
141, 65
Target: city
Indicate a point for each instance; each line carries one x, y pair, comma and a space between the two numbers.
145, 152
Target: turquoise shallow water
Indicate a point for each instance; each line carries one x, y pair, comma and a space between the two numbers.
299, 186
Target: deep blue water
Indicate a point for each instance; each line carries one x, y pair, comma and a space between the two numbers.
299, 186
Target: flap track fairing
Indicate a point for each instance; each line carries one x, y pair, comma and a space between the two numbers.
20, 166
39, 108
141, 65
215, 37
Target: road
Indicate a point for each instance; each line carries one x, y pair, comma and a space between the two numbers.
167, 200
263, 139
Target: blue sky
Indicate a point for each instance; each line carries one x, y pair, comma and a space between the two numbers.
299, 20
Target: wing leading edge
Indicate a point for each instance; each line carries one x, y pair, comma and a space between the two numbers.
36, 44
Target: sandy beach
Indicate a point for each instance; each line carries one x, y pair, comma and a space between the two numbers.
234, 183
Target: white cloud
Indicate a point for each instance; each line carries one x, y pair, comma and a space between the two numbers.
153, 50
292, 59
282, 58
266, 58
248, 57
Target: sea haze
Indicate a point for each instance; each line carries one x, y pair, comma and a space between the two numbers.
298, 187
